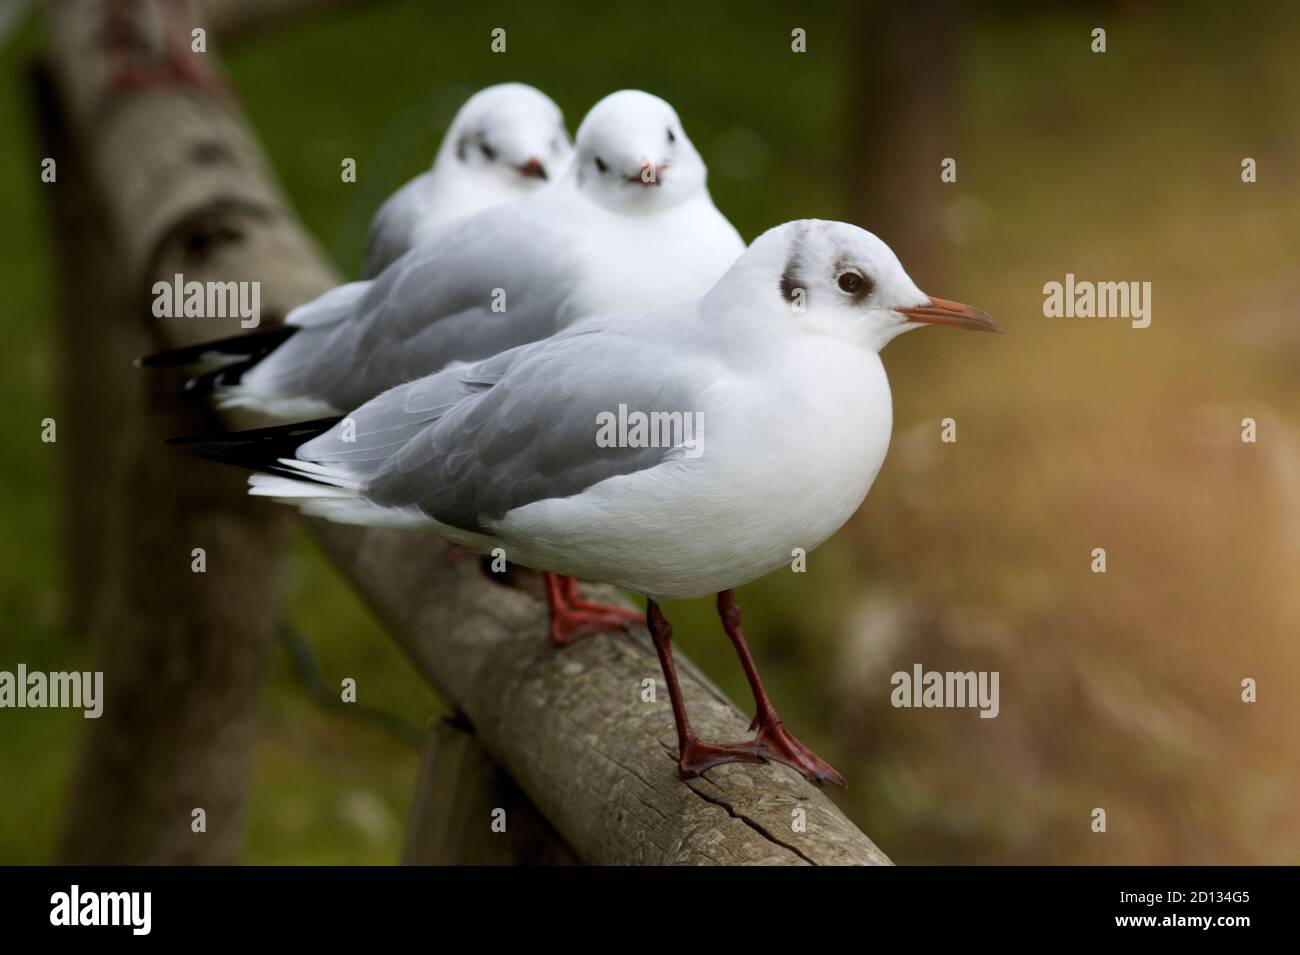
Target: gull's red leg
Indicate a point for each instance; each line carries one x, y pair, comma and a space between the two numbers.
573, 618
695, 756
774, 740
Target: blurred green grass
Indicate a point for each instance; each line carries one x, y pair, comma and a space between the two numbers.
35, 754
1123, 165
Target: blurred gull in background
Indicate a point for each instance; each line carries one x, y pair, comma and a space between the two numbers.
631, 226
504, 142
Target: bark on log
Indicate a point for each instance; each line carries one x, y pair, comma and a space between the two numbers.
569, 726
182, 653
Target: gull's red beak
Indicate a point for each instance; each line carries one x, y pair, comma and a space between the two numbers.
940, 311
647, 166
533, 169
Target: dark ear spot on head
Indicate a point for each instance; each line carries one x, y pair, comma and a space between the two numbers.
462, 145
790, 281
790, 277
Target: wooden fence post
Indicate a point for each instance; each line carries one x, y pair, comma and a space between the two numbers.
467, 810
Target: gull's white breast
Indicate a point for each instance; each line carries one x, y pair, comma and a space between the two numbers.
787, 459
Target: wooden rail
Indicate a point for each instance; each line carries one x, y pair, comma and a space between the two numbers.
185, 189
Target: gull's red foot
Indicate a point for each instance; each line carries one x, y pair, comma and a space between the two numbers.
773, 742
777, 743
697, 756
573, 618
570, 624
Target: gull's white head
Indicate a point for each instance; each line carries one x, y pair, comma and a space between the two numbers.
510, 132
634, 156
835, 279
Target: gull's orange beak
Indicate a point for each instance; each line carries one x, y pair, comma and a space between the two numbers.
940, 311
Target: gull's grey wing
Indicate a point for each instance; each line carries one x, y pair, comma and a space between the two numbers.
472, 444
393, 229
484, 285
380, 428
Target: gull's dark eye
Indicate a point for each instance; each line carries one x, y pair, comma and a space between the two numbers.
488, 152
671, 137
852, 282
600, 164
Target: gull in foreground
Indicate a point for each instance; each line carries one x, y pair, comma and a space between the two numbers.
777, 368
631, 226
506, 141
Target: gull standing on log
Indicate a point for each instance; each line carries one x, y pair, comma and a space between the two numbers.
506, 141
779, 366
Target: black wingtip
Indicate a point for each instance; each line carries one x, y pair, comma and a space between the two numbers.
259, 449
276, 432
253, 346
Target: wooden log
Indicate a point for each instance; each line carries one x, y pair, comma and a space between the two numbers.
577, 729
573, 728
182, 652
